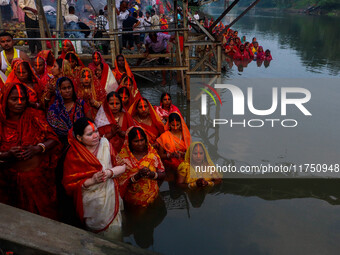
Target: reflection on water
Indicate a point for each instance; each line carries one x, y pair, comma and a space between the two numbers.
254, 216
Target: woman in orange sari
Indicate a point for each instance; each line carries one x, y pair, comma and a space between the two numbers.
138, 184
164, 23
145, 116
193, 172
90, 91
23, 73
29, 151
89, 177
174, 142
122, 69
112, 121
49, 58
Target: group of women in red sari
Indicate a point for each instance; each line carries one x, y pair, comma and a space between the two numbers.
242, 52
117, 145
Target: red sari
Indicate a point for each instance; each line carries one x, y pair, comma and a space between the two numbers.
105, 120
44, 54
34, 93
119, 76
79, 165
29, 184
157, 127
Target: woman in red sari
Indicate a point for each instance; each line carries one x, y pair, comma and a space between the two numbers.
122, 69
166, 107
90, 91
61, 68
145, 116
138, 184
89, 177
23, 73
231, 49
174, 142
75, 62
112, 121
105, 77
40, 68
67, 46
29, 151
49, 58
125, 95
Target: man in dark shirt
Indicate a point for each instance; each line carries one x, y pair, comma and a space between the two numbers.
128, 25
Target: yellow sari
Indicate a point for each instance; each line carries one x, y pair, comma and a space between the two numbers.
187, 170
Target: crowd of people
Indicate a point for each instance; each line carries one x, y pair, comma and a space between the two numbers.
88, 134
243, 52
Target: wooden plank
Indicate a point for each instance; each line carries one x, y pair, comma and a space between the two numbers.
1, 25
129, 56
219, 58
158, 68
192, 43
204, 73
206, 32
111, 7
199, 64
41, 22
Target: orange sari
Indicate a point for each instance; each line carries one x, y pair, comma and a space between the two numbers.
157, 127
79, 165
105, 120
29, 184
170, 143
145, 191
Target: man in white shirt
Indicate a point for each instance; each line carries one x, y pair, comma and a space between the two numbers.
71, 16
154, 20
31, 23
122, 14
196, 16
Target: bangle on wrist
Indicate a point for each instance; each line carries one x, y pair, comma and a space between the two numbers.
156, 176
133, 180
42, 146
112, 173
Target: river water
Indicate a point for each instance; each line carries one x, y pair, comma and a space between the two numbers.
260, 216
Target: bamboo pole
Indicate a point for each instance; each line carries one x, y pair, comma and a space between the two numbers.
59, 16
186, 48
1, 25
41, 22
178, 49
46, 25
222, 15
111, 7
240, 16
219, 58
